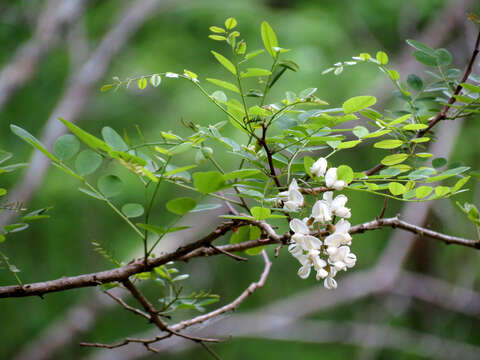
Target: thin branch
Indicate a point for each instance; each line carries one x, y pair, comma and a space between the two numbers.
234, 304
443, 113
126, 306
224, 252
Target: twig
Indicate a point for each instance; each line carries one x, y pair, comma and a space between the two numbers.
443, 113
153, 314
235, 303
126, 306
224, 252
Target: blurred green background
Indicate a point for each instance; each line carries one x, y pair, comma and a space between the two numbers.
175, 37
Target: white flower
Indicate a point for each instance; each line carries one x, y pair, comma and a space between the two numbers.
321, 212
331, 179
171, 75
299, 227
319, 167
294, 197
343, 227
343, 258
339, 237
329, 282
337, 205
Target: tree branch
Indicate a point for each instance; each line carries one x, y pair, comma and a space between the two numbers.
202, 248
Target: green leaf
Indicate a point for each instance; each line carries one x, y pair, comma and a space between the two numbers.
91, 193
87, 162
3, 192
240, 174
113, 139
348, 144
269, 39
394, 159
421, 47
358, 103
255, 72
307, 163
240, 235
394, 75
424, 155
224, 84
444, 58
26, 136
179, 170
439, 162
219, 96
110, 185
414, 82
217, 37
152, 228
155, 80
399, 120
89, 140
217, 29
181, 206
414, 127
206, 207
180, 148
382, 58
2, 238
252, 54
423, 191
260, 213
442, 191
230, 23
388, 144
4, 156
424, 58
345, 173
11, 228
66, 147
360, 131
459, 184
106, 87
132, 210
142, 83
377, 134
420, 140
225, 62
396, 188
207, 182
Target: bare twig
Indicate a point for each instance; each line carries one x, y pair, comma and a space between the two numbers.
234, 304
126, 306
224, 252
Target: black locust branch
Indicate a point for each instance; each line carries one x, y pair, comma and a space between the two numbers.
232, 306
202, 248
442, 115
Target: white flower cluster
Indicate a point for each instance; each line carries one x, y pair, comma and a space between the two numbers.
331, 254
